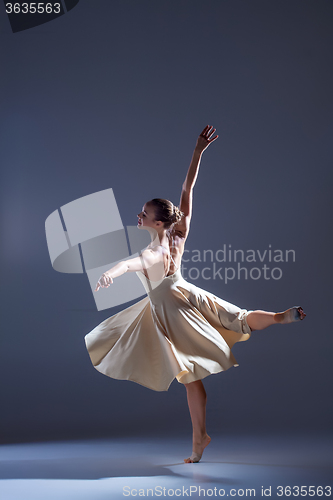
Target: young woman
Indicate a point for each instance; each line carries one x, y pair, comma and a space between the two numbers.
179, 330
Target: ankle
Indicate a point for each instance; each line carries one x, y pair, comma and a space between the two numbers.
198, 437
278, 317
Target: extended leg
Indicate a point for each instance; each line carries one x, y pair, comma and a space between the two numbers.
258, 320
197, 398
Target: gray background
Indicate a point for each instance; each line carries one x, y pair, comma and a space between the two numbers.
114, 94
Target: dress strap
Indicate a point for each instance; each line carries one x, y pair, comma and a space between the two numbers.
173, 245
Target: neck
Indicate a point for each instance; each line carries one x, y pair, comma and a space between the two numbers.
158, 237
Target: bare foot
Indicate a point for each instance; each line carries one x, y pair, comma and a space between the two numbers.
198, 448
290, 315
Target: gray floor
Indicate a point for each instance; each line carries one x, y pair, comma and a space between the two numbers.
234, 465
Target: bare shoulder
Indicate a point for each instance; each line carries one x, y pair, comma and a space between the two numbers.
180, 232
152, 255
179, 236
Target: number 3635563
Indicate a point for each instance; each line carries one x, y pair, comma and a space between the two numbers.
32, 8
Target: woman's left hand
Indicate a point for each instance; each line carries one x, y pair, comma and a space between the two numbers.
104, 282
205, 138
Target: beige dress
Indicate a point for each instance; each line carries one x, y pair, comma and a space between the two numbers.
178, 331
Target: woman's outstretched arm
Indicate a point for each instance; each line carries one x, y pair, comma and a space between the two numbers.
185, 205
146, 259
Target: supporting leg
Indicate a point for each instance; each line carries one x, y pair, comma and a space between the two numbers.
197, 398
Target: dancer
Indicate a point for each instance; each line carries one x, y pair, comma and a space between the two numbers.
178, 330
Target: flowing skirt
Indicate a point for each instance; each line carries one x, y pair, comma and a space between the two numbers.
178, 331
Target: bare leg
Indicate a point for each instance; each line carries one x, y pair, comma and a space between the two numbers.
258, 320
197, 398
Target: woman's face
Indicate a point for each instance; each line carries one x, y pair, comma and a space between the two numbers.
146, 218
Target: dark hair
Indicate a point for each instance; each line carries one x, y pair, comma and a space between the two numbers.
166, 212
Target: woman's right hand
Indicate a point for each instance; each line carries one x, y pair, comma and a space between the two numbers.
205, 138
104, 282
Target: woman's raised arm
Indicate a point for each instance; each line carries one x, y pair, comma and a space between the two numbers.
185, 205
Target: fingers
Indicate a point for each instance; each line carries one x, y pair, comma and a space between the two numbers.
204, 130
104, 282
213, 139
208, 132
98, 286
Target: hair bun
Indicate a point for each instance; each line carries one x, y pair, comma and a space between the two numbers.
177, 215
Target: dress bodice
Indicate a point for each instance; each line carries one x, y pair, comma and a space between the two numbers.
151, 285
160, 285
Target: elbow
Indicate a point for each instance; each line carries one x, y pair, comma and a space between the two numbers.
123, 266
